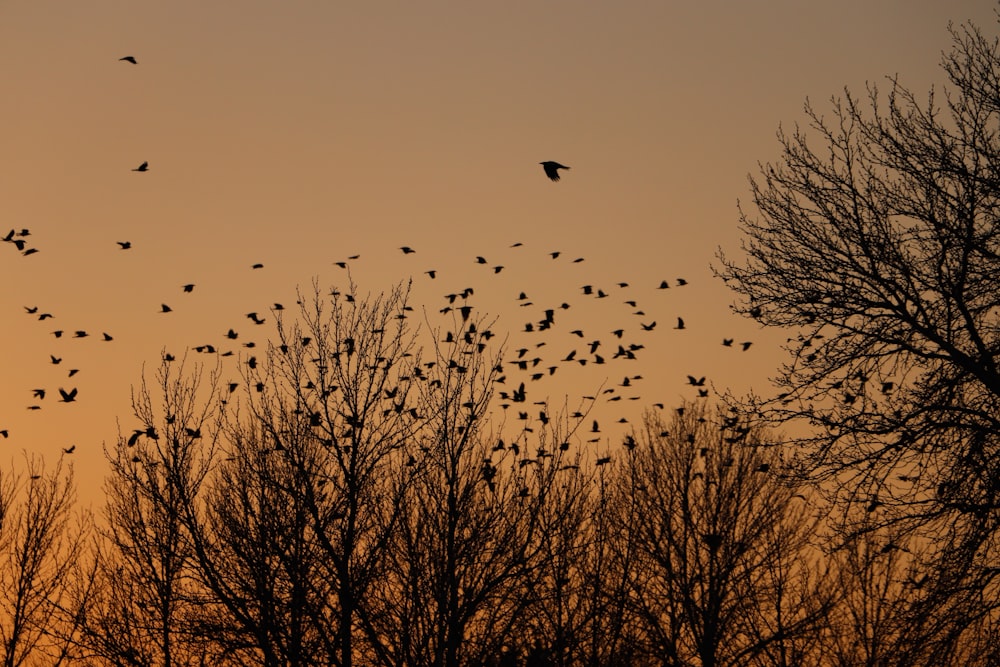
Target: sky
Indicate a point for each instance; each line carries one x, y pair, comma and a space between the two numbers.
295, 134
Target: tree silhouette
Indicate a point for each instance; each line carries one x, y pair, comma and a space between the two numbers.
723, 574
875, 240
40, 552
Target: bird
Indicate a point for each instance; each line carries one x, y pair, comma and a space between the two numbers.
407, 250
696, 382
130, 59
70, 449
188, 288
67, 396
124, 244
258, 265
142, 167
552, 169
728, 342
164, 308
680, 323
746, 345
107, 337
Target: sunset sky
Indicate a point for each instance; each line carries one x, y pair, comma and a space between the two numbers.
297, 133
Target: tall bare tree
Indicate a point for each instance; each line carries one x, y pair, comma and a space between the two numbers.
875, 239
148, 598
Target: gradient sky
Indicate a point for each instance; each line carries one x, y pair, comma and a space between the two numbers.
300, 132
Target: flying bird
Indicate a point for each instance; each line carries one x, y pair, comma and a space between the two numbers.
164, 308
67, 396
142, 167
124, 244
552, 169
188, 288
129, 59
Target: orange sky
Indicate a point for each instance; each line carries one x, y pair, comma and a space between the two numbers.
297, 133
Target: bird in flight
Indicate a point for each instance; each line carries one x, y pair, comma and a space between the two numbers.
129, 59
142, 167
67, 396
125, 244
552, 169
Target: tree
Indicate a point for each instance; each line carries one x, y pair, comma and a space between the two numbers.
40, 549
148, 600
877, 247
725, 575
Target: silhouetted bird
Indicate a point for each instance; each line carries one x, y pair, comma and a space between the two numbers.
142, 167
258, 265
188, 288
164, 308
124, 244
407, 250
680, 323
67, 396
70, 449
552, 169
130, 59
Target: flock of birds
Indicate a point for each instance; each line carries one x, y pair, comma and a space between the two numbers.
528, 364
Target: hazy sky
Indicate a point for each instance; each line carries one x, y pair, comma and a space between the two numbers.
300, 132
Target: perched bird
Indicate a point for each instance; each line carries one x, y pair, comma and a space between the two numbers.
552, 169
130, 59
142, 167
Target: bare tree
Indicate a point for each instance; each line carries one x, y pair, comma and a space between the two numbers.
875, 240
467, 553
41, 540
723, 541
